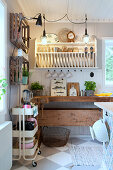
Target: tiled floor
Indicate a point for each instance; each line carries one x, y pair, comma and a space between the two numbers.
58, 158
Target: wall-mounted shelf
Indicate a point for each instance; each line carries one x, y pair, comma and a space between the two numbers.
67, 55
16, 65
19, 39
67, 43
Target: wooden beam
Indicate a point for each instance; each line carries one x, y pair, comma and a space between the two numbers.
47, 99
69, 117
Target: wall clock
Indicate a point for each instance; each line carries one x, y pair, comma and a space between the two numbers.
71, 36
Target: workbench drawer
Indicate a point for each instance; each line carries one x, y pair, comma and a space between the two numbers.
71, 117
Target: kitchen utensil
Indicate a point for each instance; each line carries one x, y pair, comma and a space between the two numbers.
69, 74
91, 51
81, 93
51, 38
54, 74
27, 96
48, 75
61, 74
58, 87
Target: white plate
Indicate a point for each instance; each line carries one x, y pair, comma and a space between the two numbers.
51, 38
62, 35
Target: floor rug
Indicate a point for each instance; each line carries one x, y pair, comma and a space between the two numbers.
84, 155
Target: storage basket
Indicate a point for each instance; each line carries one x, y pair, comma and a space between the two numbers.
55, 136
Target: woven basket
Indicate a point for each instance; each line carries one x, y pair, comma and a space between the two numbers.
55, 136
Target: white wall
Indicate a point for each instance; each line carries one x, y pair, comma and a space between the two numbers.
13, 91
99, 30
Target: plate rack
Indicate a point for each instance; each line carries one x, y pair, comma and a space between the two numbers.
65, 59
67, 55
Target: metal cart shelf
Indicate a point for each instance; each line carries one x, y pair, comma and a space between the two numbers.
18, 151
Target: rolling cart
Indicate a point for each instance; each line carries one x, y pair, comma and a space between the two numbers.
21, 135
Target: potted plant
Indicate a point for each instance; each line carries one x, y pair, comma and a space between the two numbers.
36, 89
25, 75
90, 87
3, 85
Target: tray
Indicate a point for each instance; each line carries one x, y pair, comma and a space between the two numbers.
26, 111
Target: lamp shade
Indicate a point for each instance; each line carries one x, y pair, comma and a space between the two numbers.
39, 20
86, 38
44, 40
99, 131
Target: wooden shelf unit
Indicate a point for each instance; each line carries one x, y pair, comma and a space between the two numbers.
19, 39
16, 65
66, 55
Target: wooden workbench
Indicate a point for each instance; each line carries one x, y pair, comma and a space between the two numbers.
68, 116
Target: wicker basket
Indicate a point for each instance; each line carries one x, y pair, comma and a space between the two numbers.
55, 136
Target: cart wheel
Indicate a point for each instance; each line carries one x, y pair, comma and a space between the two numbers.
39, 153
34, 164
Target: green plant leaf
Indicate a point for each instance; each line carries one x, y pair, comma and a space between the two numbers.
90, 85
36, 86
4, 91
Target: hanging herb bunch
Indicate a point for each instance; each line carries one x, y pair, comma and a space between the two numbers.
3, 85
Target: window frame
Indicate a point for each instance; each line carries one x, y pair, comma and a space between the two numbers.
5, 97
110, 86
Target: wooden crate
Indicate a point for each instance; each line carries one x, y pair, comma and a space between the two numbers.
16, 65
19, 39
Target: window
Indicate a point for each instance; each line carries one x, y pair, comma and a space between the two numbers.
3, 49
108, 62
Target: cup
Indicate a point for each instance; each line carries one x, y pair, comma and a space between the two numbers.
69, 74
61, 74
48, 75
54, 75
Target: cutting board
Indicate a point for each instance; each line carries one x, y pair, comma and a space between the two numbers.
76, 86
58, 87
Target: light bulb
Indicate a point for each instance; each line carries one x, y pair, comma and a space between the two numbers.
44, 40
86, 39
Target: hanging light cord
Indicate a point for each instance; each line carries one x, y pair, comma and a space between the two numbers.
66, 15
